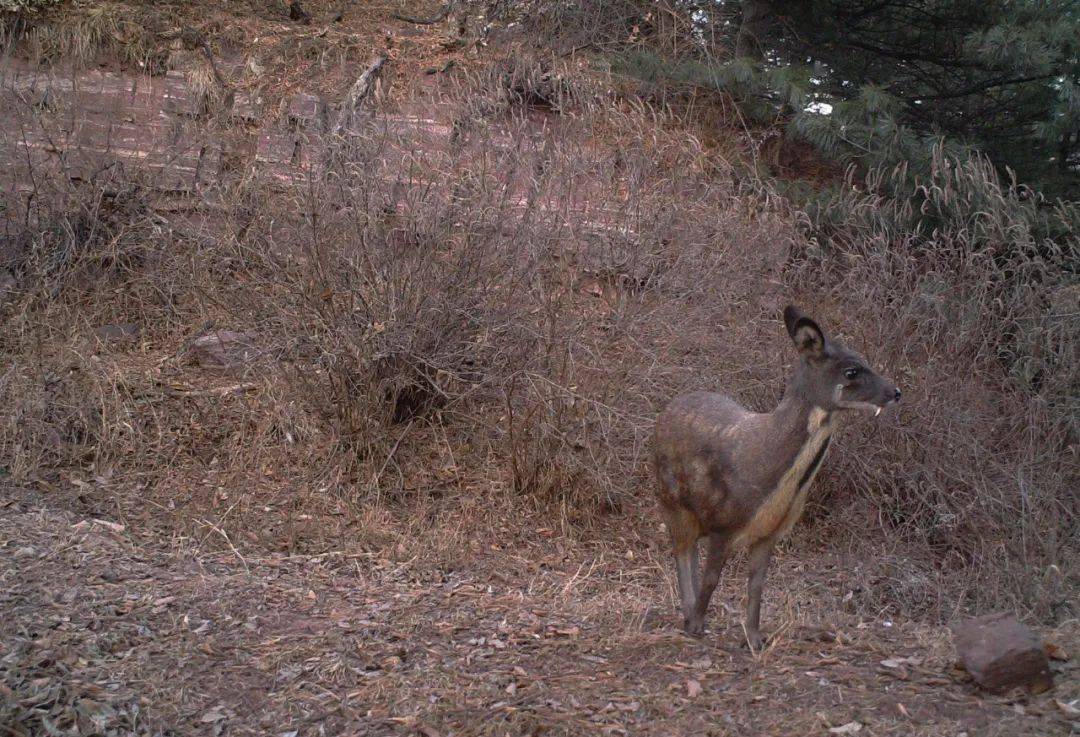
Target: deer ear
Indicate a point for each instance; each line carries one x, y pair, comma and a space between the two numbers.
804, 332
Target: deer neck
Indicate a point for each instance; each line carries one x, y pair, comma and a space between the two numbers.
799, 434
795, 420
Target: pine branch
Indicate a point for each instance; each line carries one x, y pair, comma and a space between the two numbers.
985, 86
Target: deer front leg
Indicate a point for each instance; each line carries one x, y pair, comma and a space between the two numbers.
718, 554
695, 574
757, 562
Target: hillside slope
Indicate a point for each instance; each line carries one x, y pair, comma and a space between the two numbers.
333, 418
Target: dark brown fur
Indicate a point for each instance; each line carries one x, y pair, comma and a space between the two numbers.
740, 478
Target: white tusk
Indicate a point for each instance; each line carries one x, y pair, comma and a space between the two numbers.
878, 412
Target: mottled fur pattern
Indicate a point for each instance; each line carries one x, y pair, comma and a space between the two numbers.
740, 478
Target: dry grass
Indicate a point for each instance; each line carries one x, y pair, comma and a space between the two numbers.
451, 330
419, 500
975, 304
85, 33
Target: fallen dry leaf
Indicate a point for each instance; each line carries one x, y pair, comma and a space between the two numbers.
1054, 652
1069, 709
693, 688
214, 715
898, 662
112, 526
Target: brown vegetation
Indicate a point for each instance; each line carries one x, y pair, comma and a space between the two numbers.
456, 340
526, 309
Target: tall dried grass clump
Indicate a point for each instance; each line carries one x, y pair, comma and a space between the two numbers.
81, 34
92, 272
25, 6
969, 287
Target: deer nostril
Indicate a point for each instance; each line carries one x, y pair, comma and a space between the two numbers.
896, 397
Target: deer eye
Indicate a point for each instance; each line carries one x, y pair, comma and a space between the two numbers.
851, 373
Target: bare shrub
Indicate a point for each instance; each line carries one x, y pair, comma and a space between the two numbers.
76, 238
438, 294
387, 312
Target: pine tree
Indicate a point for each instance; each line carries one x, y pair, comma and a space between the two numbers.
998, 75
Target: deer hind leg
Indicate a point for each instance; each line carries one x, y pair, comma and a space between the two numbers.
719, 550
685, 531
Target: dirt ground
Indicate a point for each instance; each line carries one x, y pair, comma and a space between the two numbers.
109, 630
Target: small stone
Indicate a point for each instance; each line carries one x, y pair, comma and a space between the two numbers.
223, 348
248, 107
26, 552
121, 331
1000, 654
307, 110
8, 284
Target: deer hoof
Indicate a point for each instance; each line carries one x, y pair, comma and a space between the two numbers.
694, 627
756, 641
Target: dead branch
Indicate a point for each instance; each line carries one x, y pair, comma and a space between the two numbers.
220, 391
425, 21
360, 89
440, 70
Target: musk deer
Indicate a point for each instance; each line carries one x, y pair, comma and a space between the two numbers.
740, 478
